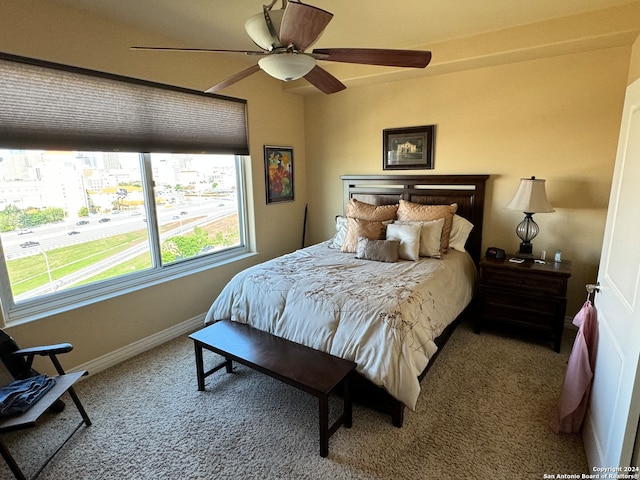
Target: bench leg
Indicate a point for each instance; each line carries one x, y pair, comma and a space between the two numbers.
229, 364
323, 410
199, 366
200, 373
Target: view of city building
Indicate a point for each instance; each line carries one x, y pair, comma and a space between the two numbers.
72, 218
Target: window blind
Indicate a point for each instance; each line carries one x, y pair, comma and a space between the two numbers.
45, 105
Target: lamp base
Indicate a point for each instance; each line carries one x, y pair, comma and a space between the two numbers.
526, 251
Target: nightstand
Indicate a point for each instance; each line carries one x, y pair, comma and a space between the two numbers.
526, 295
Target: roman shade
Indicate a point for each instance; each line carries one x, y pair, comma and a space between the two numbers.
58, 107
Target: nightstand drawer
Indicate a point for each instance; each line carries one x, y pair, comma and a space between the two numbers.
529, 282
531, 311
526, 295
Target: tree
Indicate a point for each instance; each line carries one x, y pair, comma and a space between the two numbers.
9, 218
185, 246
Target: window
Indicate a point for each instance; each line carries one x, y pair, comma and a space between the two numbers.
81, 219
77, 226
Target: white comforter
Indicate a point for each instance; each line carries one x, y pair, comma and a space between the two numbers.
383, 316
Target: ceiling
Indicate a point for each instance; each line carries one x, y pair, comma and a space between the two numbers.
356, 23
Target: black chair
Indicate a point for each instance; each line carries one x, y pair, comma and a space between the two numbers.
16, 364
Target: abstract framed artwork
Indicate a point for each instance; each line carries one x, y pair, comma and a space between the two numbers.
278, 169
408, 148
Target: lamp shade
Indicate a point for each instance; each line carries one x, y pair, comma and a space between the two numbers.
530, 197
257, 28
287, 66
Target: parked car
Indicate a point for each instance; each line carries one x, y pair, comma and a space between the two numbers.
24, 231
103, 220
82, 222
30, 243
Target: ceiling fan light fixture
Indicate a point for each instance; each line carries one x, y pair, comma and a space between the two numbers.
287, 66
256, 27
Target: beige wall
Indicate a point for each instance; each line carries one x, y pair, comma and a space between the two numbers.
634, 65
42, 30
556, 118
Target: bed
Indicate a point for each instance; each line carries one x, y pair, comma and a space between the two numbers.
389, 315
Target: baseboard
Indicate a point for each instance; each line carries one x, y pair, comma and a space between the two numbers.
113, 358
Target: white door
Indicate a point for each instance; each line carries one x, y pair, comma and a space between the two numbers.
611, 425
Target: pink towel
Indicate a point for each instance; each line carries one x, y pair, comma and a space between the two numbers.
577, 381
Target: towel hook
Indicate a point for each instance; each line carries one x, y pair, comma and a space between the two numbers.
592, 288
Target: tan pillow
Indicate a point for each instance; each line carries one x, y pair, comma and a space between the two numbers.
362, 228
409, 211
378, 250
372, 213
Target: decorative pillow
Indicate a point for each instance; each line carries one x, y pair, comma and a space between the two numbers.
372, 213
341, 232
362, 228
409, 211
409, 238
430, 235
460, 230
378, 250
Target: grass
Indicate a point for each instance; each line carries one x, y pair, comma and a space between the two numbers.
141, 262
29, 273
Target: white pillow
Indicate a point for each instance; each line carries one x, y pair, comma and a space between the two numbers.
460, 231
341, 232
409, 237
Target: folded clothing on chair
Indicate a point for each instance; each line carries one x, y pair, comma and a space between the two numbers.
20, 395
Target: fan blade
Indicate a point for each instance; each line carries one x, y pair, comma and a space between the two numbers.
324, 81
176, 49
233, 79
302, 25
375, 56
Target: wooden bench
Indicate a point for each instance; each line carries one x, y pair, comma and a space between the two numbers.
309, 370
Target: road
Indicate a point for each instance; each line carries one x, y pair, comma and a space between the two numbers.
182, 218
57, 235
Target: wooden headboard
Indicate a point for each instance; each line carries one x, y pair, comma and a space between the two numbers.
465, 190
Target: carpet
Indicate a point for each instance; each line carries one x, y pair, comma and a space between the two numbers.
483, 413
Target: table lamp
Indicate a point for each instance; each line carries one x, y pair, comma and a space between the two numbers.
530, 198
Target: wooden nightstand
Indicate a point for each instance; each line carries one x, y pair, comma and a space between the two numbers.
528, 295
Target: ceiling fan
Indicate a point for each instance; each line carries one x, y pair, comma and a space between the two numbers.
285, 34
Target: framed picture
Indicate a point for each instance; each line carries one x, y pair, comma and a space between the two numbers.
408, 148
278, 172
